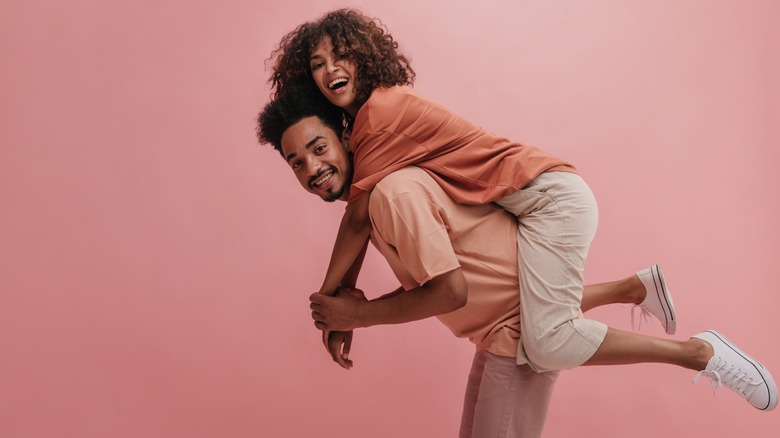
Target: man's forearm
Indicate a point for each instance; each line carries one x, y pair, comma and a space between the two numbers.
442, 294
350, 246
396, 292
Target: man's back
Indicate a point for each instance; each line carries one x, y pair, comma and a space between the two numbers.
423, 233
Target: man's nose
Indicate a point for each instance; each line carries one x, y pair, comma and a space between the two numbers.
313, 167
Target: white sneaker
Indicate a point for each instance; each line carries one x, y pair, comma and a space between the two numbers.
658, 301
733, 368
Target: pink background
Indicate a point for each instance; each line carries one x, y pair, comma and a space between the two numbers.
155, 262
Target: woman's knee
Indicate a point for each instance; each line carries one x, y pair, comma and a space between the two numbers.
566, 346
552, 350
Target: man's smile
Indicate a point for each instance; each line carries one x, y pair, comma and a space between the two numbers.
322, 179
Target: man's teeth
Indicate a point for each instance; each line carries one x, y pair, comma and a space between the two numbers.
337, 83
323, 179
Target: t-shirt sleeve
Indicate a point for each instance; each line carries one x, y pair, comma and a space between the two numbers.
380, 153
416, 229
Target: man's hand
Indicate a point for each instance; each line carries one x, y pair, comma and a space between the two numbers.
338, 345
351, 292
336, 313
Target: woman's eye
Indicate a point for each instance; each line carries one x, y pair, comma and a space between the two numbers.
316, 66
319, 148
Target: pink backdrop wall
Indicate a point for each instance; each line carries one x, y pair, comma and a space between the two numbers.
155, 262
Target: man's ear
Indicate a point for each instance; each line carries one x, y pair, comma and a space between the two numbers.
345, 136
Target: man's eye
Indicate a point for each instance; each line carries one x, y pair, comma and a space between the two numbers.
295, 165
319, 148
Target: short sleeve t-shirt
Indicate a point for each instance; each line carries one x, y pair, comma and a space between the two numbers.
397, 127
423, 232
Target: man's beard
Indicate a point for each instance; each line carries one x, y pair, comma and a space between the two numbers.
336, 195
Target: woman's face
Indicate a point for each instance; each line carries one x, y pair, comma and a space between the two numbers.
334, 76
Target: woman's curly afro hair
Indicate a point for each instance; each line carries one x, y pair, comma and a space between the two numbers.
361, 39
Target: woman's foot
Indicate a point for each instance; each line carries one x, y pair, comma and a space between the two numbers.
657, 300
736, 370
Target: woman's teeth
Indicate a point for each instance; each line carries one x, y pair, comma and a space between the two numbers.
337, 83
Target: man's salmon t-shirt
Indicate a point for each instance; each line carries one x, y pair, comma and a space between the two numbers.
423, 233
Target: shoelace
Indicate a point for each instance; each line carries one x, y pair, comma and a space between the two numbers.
644, 314
728, 375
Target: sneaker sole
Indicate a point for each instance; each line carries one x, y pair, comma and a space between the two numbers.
665, 298
769, 381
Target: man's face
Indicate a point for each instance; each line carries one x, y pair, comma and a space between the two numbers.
317, 157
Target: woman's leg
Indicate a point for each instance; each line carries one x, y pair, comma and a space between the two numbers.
646, 290
620, 348
557, 219
709, 352
626, 291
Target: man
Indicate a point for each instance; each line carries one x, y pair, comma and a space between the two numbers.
458, 263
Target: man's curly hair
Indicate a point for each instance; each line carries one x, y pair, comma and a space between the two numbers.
289, 108
363, 40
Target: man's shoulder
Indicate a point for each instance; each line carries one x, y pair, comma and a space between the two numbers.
411, 193
410, 179
405, 193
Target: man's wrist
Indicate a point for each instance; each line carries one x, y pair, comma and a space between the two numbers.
362, 314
